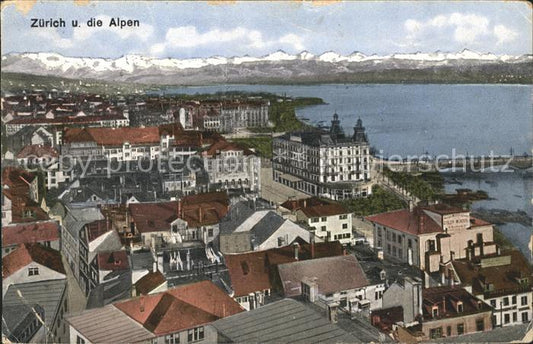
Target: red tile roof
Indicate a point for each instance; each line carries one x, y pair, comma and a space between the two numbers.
30, 233
198, 210
501, 275
315, 207
445, 298
180, 308
250, 272
66, 120
117, 260
17, 179
37, 151
97, 228
113, 136
27, 253
153, 217
414, 222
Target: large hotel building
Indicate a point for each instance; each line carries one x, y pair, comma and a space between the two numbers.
324, 163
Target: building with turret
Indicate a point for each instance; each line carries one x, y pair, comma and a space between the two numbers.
328, 164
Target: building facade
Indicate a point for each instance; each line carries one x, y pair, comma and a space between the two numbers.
427, 236
326, 164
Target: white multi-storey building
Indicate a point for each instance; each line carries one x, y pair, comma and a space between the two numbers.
327, 220
231, 166
327, 164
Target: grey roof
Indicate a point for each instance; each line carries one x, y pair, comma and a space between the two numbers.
17, 318
505, 334
142, 259
319, 138
262, 227
78, 217
46, 294
108, 325
115, 286
267, 226
285, 321
235, 217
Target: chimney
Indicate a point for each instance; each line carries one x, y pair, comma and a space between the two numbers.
141, 301
180, 214
443, 305
312, 246
154, 268
296, 246
200, 214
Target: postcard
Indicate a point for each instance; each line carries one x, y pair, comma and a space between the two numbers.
266, 171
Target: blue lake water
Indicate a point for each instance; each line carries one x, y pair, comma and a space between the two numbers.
414, 119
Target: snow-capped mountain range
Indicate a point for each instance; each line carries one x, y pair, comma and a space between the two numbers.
278, 64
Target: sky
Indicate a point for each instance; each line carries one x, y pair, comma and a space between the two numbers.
256, 28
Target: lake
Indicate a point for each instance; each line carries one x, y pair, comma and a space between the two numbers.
412, 119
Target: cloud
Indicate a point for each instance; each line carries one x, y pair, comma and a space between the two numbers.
292, 39
190, 37
504, 34
466, 28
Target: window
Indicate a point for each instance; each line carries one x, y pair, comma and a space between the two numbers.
435, 332
506, 301
195, 334
523, 300
323, 228
172, 338
314, 220
379, 232
515, 317
480, 325
33, 271
388, 248
409, 243
343, 217
324, 219
344, 225
399, 239
393, 236
210, 232
435, 312
459, 307
506, 318
80, 340
448, 331
460, 329
513, 300
493, 303
525, 317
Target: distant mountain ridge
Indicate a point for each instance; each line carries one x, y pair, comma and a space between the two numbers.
301, 67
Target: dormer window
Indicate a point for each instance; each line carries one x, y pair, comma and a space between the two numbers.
459, 307
435, 311
33, 271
